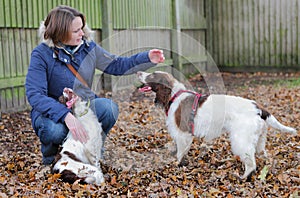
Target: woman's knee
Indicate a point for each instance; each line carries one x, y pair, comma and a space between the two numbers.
107, 112
50, 132
105, 107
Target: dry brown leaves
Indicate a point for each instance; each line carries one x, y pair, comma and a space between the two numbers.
139, 160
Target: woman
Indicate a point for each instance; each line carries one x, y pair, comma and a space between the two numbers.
66, 41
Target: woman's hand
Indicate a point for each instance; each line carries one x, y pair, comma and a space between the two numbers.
156, 56
76, 128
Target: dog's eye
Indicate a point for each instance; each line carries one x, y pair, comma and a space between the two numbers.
152, 76
155, 87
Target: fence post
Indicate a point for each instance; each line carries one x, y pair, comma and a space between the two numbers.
107, 31
176, 36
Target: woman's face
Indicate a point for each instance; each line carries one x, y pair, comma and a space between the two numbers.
76, 32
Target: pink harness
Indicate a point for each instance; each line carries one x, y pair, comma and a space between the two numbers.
194, 107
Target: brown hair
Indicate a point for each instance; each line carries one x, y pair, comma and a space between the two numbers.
58, 23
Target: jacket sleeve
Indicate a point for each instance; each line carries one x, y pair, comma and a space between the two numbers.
120, 65
37, 93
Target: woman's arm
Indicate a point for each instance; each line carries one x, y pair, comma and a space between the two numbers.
120, 65
37, 90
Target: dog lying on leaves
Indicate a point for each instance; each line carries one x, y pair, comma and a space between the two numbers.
191, 114
78, 161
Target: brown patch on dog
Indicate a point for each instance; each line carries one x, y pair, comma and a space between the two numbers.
72, 156
57, 157
183, 112
62, 100
264, 113
64, 163
70, 177
163, 94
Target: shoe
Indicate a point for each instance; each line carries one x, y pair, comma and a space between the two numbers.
48, 160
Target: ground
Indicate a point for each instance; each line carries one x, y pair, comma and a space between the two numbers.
138, 159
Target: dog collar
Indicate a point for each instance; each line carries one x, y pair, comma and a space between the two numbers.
194, 107
87, 109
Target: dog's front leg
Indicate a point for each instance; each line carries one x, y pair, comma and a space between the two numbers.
183, 143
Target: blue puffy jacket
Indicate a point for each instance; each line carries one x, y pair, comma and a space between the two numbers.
48, 75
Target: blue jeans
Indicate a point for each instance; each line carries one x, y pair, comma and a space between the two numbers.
52, 134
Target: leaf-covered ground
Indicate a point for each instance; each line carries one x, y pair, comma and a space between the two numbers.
139, 161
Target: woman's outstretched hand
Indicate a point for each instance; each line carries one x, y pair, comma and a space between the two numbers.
76, 128
156, 56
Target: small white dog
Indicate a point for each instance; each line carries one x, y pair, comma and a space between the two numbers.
78, 161
191, 114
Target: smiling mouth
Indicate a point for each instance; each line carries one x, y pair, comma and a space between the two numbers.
70, 97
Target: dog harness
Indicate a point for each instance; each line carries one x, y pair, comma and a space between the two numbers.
194, 107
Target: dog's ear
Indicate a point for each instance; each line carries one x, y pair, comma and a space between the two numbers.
163, 94
62, 99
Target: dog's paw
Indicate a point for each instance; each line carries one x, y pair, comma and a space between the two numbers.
173, 153
293, 132
171, 147
247, 178
184, 162
90, 180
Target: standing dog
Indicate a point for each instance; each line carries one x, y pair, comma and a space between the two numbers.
191, 114
78, 161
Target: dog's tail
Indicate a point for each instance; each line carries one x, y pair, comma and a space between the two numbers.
273, 122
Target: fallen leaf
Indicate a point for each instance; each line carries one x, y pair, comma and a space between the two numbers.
263, 173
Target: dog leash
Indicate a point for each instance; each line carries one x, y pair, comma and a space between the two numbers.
74, 71
194, 107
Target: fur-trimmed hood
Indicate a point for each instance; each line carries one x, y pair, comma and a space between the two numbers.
88, 34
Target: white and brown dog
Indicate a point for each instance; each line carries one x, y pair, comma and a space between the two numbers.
191, 114
78, 161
